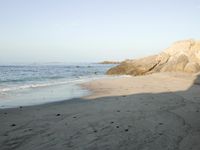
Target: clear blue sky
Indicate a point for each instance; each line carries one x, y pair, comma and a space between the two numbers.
93, 30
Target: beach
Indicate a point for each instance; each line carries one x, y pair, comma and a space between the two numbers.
152, 112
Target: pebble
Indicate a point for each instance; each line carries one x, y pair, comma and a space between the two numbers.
57, 114
13, 125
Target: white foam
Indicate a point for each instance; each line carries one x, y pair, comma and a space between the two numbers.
50, 83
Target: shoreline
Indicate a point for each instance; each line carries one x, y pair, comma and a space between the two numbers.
96, 88
38, 84
79, 92
159, 111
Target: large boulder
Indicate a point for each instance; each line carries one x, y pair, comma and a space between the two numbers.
135, 67
182, 56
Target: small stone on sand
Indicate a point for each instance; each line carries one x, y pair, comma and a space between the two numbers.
95, 131
13, 125
57, 114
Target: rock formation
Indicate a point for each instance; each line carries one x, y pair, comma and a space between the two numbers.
182, 56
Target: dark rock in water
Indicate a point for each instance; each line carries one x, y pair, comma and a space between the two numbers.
57, 114
182, 56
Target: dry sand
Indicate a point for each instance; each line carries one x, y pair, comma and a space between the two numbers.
153, 112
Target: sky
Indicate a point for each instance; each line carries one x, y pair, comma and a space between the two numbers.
36, 31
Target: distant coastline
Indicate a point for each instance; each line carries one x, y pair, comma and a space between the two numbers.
109, 62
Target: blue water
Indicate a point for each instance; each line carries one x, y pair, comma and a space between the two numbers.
22, 85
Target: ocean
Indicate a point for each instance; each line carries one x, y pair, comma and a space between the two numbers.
24, 85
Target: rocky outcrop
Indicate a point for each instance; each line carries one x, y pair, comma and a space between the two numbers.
182, 56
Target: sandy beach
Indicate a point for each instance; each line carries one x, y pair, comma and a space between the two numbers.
152, 112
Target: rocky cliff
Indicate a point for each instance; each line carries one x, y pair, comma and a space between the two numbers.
182, 56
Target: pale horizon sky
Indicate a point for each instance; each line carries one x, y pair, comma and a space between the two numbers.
93, 30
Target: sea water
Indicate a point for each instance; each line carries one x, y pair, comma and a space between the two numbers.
23, 85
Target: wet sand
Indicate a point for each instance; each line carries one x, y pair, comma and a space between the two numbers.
153, 112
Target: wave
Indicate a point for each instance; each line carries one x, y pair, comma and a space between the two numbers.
47, 84
30, 79
77, 80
